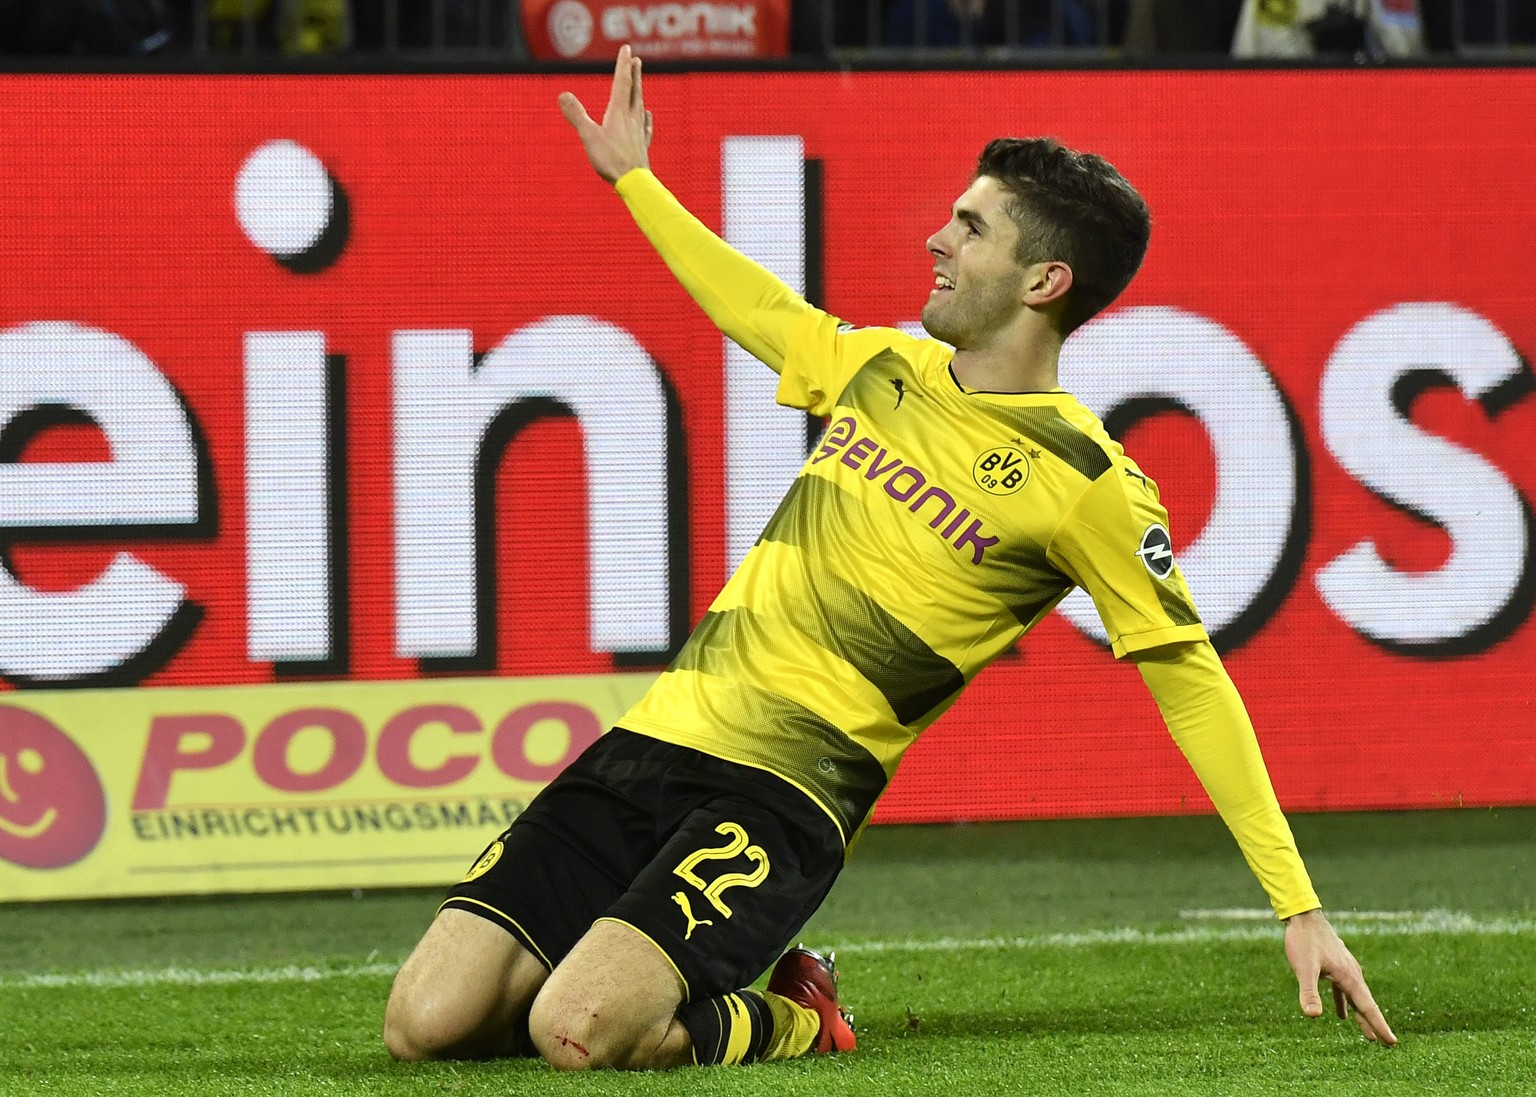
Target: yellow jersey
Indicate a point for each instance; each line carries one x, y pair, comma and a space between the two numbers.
928, 530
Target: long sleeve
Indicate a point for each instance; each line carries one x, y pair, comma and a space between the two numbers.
745, 300
1207, 719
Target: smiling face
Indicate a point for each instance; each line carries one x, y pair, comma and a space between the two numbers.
978, 279
52, 810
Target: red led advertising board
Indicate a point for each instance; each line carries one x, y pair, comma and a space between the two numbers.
371, 380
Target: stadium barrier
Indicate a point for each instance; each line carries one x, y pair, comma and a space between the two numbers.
358, 457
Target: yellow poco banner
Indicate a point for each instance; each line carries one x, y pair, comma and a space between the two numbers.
279, 787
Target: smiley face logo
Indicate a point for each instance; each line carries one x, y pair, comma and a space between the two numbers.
52, 809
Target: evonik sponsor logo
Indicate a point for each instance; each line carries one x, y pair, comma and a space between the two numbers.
632, 21
906, 484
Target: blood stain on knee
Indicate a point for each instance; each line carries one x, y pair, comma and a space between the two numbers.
566, 1041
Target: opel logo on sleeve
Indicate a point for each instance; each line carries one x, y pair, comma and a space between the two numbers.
1156, 551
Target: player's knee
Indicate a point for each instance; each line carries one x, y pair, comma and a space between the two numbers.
564, 1037
571, 1035
401, 1042
407, 1035
418, 1027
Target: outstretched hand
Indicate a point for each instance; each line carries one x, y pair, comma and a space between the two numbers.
1315, 952
623, 141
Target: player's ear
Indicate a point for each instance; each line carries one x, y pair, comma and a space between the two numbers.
1046, 282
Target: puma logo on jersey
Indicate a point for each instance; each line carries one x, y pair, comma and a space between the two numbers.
681, 900
901, 390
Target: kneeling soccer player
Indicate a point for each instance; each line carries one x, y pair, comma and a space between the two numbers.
956, 497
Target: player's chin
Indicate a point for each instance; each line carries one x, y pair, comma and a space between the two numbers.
934, 321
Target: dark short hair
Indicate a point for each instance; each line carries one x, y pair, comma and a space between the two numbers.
1076, 208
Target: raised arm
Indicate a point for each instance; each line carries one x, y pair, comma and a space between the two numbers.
744, 299
1207, 718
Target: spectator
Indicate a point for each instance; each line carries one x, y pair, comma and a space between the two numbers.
298, 27
240, 23
1361, 29
315, 26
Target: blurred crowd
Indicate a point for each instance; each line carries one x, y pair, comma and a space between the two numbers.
1367, 29
298, 27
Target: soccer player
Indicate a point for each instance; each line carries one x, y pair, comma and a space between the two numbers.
954, 499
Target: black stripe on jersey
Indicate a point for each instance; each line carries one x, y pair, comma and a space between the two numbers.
1027, 613
850, 624
708, 649
790, 523
791, 739
898, 662
1174, 604
1046, 426
1032, 584
841, 773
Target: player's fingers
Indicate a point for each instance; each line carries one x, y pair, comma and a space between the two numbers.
1340, 1002
1373, 1026
1365, 1027
574, 112
623, 77
636, 96
1368, 1014
1307, 976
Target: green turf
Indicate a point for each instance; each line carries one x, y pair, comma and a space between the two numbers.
1026, 997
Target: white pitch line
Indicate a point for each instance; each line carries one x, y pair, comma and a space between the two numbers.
194, 977
1412, 924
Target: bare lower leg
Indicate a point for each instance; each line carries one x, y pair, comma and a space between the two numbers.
663, 1049
673, 1049
611, 1003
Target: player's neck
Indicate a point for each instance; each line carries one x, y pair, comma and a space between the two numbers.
1029, 367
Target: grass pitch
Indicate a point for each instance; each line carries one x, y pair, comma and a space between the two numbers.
1113, 957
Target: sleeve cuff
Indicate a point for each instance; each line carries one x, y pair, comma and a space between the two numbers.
1297, 906
635, 179
1156, 638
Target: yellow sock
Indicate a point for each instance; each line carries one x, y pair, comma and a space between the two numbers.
748, 1026
794, 1027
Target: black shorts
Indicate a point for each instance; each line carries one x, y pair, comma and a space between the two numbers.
718, 864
